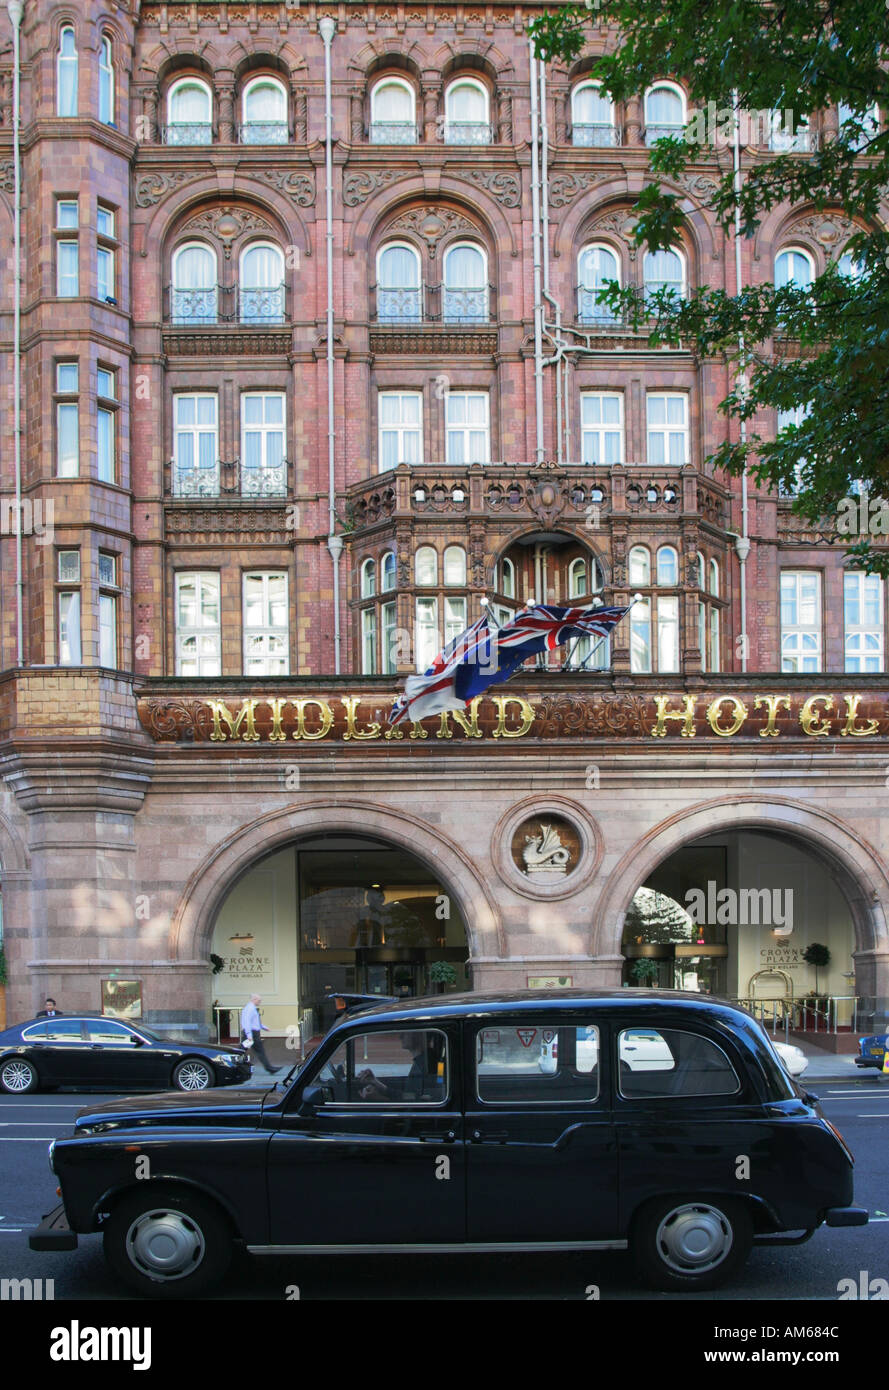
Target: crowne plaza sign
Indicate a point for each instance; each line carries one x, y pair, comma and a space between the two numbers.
765, 715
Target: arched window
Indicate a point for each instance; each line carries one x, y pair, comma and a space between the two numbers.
387, 572
66, 73
467, 116
106, 82
640, 566
714, 578
507, 578
261, 289
794, 267
393, 119
577, 578
189, 113
597, 266
664, 270
426, 566
194, 297
454, 565
849, 266
592, 116
667, 566
368, 579
399, 291
702, 571
664, 112
465, 284
714, 618
264, 112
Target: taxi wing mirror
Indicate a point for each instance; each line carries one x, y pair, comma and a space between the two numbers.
313, 1097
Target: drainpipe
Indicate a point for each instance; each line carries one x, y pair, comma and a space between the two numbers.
544, 205
742, 542
327, 29
535, 242
15, 7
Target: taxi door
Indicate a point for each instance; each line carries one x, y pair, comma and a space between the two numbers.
541, 1150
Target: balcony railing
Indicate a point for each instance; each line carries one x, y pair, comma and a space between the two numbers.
600, 135
228, 479
792, 142
263, 133
592, 313
258, 305
663, 132
393, 133
468, 133
188, 133
416, 304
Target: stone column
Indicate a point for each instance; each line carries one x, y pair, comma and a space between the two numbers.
633, 122
504, 125
356, 115
430, 93
300, 115
225, 92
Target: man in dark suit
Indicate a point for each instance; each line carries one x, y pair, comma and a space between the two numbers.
50, 1011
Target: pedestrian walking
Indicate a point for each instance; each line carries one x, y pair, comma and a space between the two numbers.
252, 1029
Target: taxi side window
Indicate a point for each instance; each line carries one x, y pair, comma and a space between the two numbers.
656, 1062
392, 1067
537, 1064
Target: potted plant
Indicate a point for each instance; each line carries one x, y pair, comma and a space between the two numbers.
217, 963
401, 978
818, 956
442, 974
645, 972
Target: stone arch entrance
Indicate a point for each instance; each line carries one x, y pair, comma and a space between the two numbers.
211, 884
852, 863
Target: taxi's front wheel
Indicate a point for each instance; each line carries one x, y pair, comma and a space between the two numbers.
682, 1244
168, 1244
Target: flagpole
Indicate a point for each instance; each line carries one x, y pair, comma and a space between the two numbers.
637, 598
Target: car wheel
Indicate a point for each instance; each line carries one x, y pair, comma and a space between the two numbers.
681, 1244
193, 1075
18, 1076
168, 1244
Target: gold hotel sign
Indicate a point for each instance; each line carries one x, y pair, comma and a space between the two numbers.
359, 719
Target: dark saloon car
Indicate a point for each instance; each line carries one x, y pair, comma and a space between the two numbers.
872, 1050
550, 1120
44, 1054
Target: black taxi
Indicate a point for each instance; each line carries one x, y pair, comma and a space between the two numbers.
546, 1120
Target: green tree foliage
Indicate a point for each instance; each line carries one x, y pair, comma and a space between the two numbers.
827, 345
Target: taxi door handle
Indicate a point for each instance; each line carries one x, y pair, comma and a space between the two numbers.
438, 1138
491, 1136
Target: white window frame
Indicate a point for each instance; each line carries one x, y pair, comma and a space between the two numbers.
205, 136
656, 126
426, 551
474, 307
864, 659
806, 256
368, 583
393, 132
209, 663
274, 132
388, 654
369, 640
671, 551
209, 304
465, 431
578, 567
72, 58
406, 304
261, 304
388, 571
668, 633
67, 280
640, 637
400, 430
462, 132
600, 133
427, 639
452, 551
643, 555
507, 568
270, 478
267, 631
62, 222
69, 629
108, 649
797, 654
454, 618
206, 478
105, 257
651, 285
106, 81
588, 309
667, 430
106, 449
595, 438
67, 465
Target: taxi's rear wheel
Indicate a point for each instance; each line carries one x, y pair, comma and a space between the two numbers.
682, 1244
168, 1244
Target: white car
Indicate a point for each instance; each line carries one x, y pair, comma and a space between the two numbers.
794, 1059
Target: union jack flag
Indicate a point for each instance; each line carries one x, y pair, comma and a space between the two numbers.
540, 628
434, 690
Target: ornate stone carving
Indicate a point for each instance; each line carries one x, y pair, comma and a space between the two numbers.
357, 188
7, 176
150, 188
545, 853
173, 721
619, 223
506, 188
699, 186
830, 230
618, 716
229, 342
226, 223
301, 117
413, 342
299, 188
229, 525
504, 124
431, 223
564, 188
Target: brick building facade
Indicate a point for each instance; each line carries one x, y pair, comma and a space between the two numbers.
183, 543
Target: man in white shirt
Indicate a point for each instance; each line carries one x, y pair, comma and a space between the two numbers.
252, 1029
